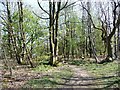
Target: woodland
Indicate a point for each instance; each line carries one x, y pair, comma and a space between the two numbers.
59, 44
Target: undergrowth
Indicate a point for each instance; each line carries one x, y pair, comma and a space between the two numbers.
53, 80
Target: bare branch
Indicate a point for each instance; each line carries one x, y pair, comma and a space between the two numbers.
91, 18
39, 16
115, 24
105, 17
42, 7
65, 6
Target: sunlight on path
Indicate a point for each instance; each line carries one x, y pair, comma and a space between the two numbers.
80, 78
84, 79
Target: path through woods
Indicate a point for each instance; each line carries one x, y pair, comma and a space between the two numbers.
80, 78
84, 79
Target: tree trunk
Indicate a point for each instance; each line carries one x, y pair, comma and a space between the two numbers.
115, 48
9, 32
29, 57
83, 28
20, 8
89, 30
53, 30
118, 43
12, 37
31, 47
50, 32
0, 43
109, 48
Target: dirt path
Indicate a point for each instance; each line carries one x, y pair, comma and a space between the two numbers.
83, 79
80, 79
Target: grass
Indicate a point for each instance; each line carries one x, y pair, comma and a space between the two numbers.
43, 65
97, 69
43, 82
53, 79
107, 69
43, 68
106, 74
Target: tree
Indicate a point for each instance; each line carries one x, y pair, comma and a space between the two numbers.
105, 37
11, 39
22, 33
89, 30
54, 11
0, 42
16, 38
85, 51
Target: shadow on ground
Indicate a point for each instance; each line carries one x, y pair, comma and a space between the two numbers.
75, 82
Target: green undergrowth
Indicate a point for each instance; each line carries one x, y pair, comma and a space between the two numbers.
42, 64
105, 69
53, 80
42, 68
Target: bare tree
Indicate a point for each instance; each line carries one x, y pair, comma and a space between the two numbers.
105, 36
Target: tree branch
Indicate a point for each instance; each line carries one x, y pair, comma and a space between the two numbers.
65, 6
42, 7
39, 16
115, 24
90, 17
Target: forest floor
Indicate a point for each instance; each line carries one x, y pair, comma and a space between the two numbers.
71, 75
